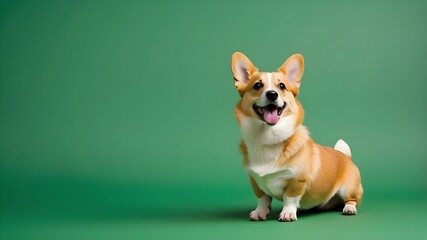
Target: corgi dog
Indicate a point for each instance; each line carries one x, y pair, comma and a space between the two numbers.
281, 159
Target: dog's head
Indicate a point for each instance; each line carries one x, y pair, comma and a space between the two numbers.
267, 96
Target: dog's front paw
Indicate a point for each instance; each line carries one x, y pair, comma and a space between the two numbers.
288, 216
259, 214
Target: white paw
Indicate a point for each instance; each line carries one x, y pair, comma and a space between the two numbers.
259, 214
349, 209
288, 216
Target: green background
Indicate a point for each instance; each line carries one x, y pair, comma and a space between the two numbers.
116, 117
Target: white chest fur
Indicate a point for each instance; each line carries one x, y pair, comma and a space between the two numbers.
274, 183
264, 144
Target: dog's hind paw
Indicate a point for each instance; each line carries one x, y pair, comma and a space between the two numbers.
349, 209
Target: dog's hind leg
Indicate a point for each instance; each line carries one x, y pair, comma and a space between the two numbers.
351, 193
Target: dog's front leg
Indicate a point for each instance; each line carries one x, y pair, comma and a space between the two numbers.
291, 198
264, 204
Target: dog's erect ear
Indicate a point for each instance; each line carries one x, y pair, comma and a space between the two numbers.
242, 69
293, 68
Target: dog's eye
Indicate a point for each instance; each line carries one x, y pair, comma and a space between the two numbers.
258, 85
282, 86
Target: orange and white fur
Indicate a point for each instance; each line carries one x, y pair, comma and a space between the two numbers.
282, 160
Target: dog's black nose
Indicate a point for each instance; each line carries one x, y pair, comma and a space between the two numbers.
271, 95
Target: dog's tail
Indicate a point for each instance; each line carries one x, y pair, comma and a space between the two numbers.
342, 147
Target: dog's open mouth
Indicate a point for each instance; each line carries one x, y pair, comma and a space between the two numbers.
270, 113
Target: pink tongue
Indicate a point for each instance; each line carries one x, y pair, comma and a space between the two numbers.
271, 117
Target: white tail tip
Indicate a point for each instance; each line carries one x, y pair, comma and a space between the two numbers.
342, 147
